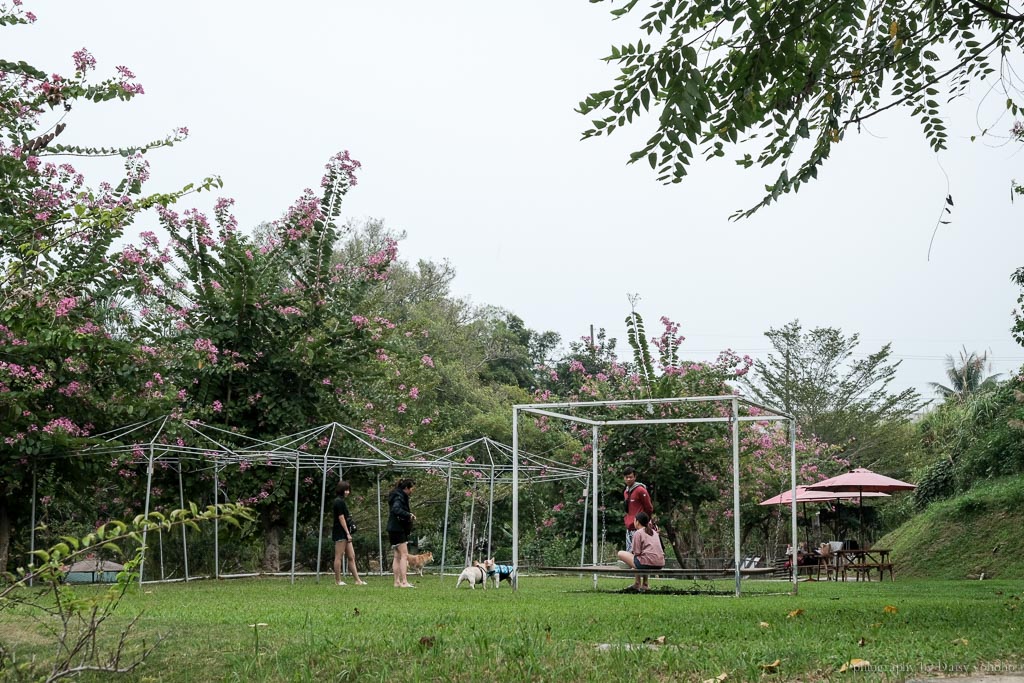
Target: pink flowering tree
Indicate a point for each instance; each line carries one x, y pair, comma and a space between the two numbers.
275, 332
71, 364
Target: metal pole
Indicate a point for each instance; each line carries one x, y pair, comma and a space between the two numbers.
515, 497
32, 535
216, 525
595, 453
471, 546
160, 537
444, 532
295, 517
792, 507
149, 487
181, 499
490, 514
323, 501
583, 539
380, 531
736, 491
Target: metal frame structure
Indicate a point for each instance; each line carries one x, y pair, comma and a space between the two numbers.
158, 441
563, 411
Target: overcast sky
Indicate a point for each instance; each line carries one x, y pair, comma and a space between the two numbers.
462, 115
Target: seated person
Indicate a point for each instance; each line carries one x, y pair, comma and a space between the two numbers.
803, 558
647, 552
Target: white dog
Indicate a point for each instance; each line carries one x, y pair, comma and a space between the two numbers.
474, 574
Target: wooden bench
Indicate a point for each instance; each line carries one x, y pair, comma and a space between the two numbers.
673, 573
865, 568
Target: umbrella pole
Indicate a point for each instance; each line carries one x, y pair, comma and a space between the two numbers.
807, 527
860, 512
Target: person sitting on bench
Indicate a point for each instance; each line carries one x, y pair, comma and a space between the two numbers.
647, 552
802, 558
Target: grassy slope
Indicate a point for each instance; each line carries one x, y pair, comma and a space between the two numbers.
979, 532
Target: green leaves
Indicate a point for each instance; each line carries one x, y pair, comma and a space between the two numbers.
721, 72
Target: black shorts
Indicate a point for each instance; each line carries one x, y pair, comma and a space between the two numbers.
398, 537
339, 536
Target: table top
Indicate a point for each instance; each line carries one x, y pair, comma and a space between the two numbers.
865, 552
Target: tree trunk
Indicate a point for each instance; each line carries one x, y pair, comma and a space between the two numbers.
675, 538
271, 546
696, 540
5, 535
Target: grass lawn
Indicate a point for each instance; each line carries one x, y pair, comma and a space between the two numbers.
558, 629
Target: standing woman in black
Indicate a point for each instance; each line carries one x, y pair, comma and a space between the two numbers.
400, 519
342, 531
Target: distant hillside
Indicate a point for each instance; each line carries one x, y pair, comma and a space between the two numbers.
979, 532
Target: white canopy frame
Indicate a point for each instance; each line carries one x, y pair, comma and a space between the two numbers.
150, 442
565, 411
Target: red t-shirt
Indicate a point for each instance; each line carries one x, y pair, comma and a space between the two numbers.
636, 499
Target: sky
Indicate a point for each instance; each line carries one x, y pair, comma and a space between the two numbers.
462, 114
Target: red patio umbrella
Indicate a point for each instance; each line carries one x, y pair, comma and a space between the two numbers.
862, 482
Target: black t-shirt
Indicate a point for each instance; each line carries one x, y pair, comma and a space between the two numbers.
340, 508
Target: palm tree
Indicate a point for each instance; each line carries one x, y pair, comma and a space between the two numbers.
967, 377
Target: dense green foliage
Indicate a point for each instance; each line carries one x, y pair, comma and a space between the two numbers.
970, 440
793, 79
841, 400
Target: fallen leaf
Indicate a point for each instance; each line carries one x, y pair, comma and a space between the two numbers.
876, 625
889, 609
764, 624
794, 613
717, 679
862, 642
961, 641
427, 641
771, 668
854, 664
660, 640
149, 592
356, 612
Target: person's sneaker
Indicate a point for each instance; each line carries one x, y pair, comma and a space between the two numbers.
341, 583
360, 583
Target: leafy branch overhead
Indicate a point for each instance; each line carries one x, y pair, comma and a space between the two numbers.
790, 79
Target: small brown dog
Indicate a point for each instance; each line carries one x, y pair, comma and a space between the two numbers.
416, 562
374, 567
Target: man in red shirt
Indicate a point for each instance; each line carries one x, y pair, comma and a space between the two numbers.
635, 498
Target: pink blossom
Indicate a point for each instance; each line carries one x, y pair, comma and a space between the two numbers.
83, 61
65, 306
402, 407
414, 393
427, 361
217, 406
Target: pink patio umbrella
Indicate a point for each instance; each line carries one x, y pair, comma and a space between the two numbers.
862, 482
804, 495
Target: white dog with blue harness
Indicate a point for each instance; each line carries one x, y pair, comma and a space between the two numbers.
499, 572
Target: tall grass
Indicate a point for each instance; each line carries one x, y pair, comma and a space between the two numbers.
559, 629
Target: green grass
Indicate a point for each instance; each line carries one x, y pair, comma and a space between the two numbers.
558, 629
977, 533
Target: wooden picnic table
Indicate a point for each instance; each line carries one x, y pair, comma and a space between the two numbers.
863, 561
